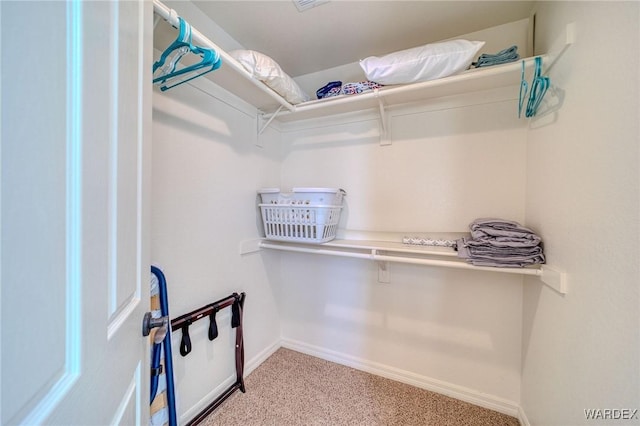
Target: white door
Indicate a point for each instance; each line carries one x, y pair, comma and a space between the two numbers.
76, 112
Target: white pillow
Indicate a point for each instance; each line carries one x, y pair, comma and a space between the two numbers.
422, 63
268, 71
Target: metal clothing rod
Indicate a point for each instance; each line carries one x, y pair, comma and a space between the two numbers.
171, 16
552, 277
454, 264
205, 311
373, 254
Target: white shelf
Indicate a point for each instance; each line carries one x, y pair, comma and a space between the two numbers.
391, 252
231, 76
234, 78
473, 80
384, 251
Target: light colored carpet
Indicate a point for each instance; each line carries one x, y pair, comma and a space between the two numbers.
291, 388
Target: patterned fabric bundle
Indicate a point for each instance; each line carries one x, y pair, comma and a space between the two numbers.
362, 86
336, 88
330, 89
426, 241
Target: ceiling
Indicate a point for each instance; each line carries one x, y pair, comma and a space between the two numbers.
341, 32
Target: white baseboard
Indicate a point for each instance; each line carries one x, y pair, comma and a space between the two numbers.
522, 417
250, 365
471, 396
261, 357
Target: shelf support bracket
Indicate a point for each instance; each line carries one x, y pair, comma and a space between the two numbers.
383, 267
554, 279
250, 246
264, 127
385, 134
561, 45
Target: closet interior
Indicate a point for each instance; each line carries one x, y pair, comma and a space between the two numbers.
419, 160
275, 121
481, 243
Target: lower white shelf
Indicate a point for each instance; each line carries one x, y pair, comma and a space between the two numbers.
384, 251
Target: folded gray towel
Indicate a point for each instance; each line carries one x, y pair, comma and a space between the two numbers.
488, 250
513, 242
497, 242
484, 228
499, 224
510, 258
509, 54
500, 264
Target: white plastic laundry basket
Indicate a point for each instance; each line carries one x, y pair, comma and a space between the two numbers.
308, 215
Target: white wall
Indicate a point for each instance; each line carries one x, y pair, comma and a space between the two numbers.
495, 38
581, 351
206, 169
450, 161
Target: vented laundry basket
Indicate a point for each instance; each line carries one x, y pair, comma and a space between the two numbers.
308, 215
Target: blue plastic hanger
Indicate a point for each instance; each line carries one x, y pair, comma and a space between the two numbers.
210, 61
539, 87
165, 70
174, 52
523, 91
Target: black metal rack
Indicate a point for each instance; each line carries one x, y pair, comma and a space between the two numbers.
236, 301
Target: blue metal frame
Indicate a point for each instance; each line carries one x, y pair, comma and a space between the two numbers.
168, 357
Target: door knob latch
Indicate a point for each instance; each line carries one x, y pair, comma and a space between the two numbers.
149, 323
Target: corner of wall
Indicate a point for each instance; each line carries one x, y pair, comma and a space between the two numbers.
582, 181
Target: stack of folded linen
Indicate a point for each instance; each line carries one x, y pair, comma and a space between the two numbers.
501, 243
507, 55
